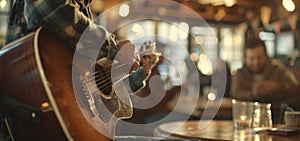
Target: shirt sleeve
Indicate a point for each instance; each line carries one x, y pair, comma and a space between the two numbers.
66, 19
136, 81
70, 21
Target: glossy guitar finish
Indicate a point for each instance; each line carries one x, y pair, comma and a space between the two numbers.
37, 70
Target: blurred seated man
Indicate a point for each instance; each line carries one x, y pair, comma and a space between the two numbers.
263, 79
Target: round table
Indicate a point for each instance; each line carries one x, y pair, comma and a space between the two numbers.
215, 130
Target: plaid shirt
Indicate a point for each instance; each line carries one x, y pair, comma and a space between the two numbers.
66, 19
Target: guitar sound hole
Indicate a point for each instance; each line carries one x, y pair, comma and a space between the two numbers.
103, 80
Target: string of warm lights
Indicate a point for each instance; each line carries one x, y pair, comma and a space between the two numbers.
228, 3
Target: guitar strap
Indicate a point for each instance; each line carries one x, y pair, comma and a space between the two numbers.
15, 111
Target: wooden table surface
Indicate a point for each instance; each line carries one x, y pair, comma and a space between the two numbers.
215, 130
210, 108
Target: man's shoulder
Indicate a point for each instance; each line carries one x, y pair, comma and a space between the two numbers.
275, 68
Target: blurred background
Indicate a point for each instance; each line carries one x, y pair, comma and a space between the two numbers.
197, 32
229, 22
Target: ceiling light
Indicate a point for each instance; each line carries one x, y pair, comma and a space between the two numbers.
227, 3
289, 5
3, 3
124, 10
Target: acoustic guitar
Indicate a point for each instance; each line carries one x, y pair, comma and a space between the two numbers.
37, 71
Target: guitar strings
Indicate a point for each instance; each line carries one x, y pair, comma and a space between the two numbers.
98, 72
107, 76
108, 85
104, 78
90, 79
98, 84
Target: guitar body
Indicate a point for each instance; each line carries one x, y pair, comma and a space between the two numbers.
37, 70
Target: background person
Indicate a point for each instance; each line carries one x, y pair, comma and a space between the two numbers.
263, 79
67, 20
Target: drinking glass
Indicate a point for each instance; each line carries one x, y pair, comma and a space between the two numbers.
262, 115
242, 114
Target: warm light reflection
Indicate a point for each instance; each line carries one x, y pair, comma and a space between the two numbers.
217, 2
124, 10
138, 29
184, 26
233, 101
227, 3
243, 117
289, 5
242, 136
199, 40
256, 138
194, 56
205, 68
211, 96
237, 39
183, 30
202, 58
87, 73
220, 14
3, 3
45, 105
204, 65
